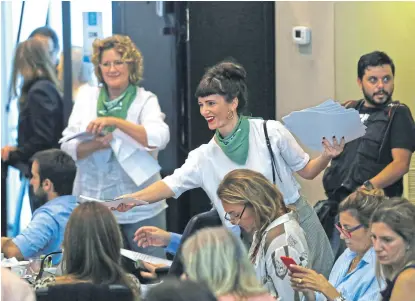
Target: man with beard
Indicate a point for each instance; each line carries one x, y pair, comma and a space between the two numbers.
53, 174
382, 156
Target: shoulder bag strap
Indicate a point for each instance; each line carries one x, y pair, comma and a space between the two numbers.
273, 164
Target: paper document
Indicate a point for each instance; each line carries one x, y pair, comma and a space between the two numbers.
325, 120
112, 203
12, 262
135, 256
80, 135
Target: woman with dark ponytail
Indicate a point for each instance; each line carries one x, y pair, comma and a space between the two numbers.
241, 142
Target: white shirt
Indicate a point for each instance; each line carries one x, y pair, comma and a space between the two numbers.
207, 165
270, 269
127, 166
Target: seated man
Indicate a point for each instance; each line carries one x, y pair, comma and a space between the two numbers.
53, 174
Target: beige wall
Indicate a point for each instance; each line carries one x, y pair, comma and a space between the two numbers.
362, 27
305, 74
341, 33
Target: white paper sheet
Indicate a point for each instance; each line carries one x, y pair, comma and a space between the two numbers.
80, 135
325, 120
112, 203
135, 256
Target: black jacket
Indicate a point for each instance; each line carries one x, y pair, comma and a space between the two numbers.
40, 122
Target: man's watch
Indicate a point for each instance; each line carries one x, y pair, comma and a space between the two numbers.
368, 185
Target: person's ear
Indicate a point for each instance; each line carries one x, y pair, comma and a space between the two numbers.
359, 83
47, 185
235, 103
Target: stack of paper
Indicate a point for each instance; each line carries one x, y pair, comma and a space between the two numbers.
81, 135
325, 120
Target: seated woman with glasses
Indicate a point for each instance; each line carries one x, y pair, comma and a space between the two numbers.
353, 276
127, 130
92, 245
393, 237
256, 205
218, 259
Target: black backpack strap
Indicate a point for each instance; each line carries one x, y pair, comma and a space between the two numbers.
353, 104
273, 164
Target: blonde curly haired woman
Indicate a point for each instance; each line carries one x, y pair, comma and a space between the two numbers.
128, 130
217, 258
256, 205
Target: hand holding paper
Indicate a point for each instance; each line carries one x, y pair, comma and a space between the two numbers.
123, 203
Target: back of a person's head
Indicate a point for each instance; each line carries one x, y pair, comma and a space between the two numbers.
32, 62
58, 167
218, 258
47, 32
176, 290
362, 203
91, 244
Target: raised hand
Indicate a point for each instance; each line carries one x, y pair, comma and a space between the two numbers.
333, 150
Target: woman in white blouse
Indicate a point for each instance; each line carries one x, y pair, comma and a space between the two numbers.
128, 130
253, 203
240, 142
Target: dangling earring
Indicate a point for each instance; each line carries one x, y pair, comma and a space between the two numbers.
230, 115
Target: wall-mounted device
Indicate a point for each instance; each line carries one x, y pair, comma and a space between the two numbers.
301, 35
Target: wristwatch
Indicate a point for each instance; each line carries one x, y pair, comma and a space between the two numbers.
339, 298
368, 185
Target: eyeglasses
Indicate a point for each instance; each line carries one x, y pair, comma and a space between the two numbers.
115, 64
234, 216
347, 232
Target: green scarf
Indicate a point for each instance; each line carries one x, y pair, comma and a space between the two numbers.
236, 145
117, 107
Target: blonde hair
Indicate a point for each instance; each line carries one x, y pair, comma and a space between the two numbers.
399, 215
217, 258
33, 62
128, 51
251, 188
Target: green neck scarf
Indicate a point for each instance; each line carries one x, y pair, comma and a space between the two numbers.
236, 145
117, 107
